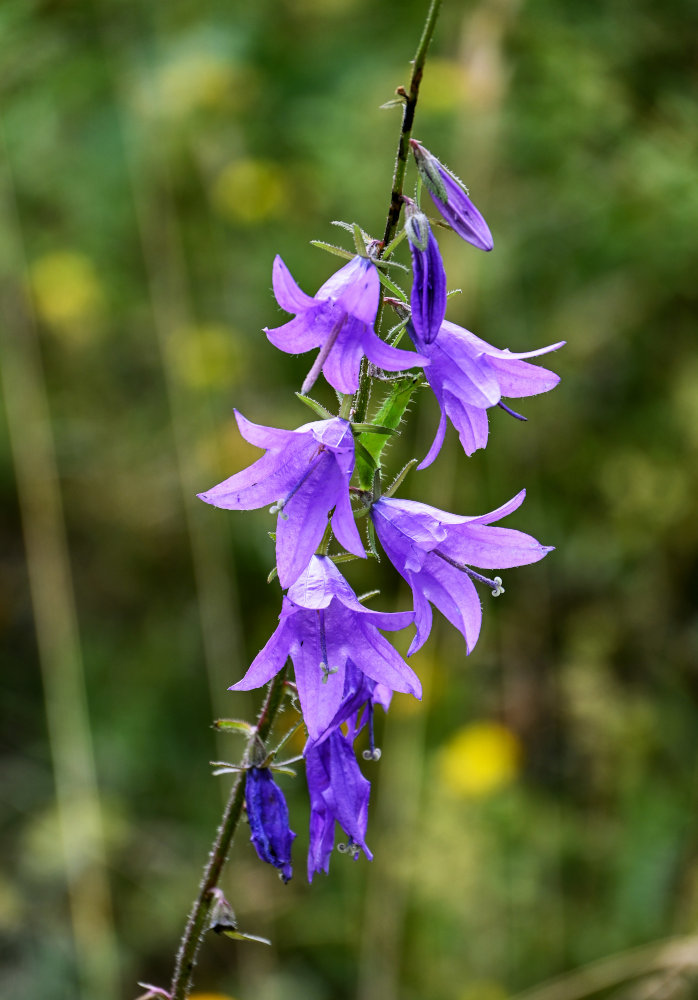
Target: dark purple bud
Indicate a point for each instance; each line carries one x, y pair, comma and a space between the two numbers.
451, 198
268, 816
428, 299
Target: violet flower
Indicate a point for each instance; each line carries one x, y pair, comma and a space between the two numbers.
304, 474
451, 199
339, 320
322, 626
434, 552
468, 376
428, 297
267, 813
338, 793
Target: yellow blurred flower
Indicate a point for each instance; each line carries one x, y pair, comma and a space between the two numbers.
211, 996
249, 191
479, 759
484, 989
196, 80
205, 355
67, 292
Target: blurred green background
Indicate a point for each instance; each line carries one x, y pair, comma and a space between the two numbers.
538, 811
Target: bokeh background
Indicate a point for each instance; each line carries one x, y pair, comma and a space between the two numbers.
536, 814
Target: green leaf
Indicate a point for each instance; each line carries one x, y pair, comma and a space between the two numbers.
389, 416
331, 248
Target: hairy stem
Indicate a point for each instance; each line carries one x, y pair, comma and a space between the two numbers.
403, 148
197, 924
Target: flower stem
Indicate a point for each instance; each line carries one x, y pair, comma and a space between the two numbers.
197, 924
403, 147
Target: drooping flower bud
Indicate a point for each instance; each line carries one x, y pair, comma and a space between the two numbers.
451, 198
428, 298
269, 825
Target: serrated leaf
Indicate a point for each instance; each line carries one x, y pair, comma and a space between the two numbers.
391, 286
331, 248
316, 407
389, 415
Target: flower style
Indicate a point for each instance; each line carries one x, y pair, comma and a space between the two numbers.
449, 196
428, 298
267, 813
304, 474
323, 626
339, 320
338, 792
468, 376
434, 551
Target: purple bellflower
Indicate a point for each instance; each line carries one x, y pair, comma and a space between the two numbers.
434, 552
304, 474
428, 298
338, 793
468, 376
322, 626
451, 199
339, 320
267, 813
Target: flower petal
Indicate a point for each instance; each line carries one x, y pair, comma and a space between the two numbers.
269, 661
356, 286
428, 297
299, 533
289, 296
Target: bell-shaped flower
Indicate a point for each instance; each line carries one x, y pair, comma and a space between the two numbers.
428, 297
304, 474
338, 793
451, 199
435, 551
322, 626
267, 813
339, 320
468, 376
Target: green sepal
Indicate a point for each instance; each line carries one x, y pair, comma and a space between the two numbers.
331, 248
239, 936
373, 429
233, 726
372, 541
391, 286
389, 415
395, 102
359, 240
281, 769
316, 407
394, 244
367, 596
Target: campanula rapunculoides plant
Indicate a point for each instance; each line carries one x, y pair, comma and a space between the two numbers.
326, 484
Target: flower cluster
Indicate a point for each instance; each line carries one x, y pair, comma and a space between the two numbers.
343, 664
